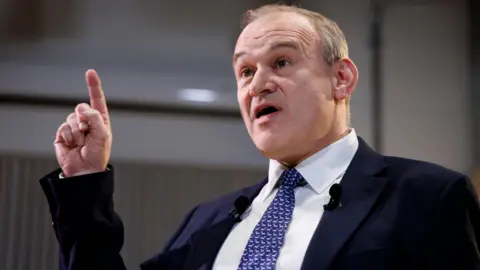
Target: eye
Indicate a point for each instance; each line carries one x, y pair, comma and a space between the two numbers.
281, 62
246, 72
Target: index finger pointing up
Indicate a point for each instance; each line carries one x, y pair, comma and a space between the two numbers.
97, 97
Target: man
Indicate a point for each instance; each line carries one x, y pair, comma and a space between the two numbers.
294, 81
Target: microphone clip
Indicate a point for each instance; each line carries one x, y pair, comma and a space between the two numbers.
241, 204
332, 205
234, 214
335, 195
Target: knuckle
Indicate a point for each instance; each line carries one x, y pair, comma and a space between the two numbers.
76, 133
73, 124
63, 127
71, 116
96, 115
94, 111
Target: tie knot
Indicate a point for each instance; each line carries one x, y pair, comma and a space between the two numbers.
291, 178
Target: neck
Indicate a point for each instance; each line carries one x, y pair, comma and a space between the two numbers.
318, 146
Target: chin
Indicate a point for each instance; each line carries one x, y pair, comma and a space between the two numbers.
271, 145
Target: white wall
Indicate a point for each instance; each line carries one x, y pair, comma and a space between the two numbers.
425, 62
426, 111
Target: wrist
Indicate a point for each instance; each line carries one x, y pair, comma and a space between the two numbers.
65, 175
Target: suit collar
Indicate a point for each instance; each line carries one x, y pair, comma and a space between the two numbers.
362, 184
321, 169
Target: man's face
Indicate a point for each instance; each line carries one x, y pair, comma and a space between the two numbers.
284, 85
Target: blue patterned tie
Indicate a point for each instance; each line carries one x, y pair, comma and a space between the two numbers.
266, 240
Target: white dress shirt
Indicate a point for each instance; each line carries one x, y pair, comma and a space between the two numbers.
320, 171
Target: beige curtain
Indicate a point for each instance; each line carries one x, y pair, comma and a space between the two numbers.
151, 199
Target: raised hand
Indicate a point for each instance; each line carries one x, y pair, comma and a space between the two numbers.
83, 142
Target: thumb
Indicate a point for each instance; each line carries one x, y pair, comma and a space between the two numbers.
82, 108
92, 117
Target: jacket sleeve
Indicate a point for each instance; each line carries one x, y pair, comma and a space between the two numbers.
455, 238
89, 232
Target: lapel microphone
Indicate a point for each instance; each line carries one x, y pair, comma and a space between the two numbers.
335, 194
242, 203
239, 207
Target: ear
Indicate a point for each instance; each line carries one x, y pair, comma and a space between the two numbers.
345, 78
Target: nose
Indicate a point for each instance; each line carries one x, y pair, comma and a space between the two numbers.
260, 84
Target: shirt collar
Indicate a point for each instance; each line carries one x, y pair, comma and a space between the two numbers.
321, 169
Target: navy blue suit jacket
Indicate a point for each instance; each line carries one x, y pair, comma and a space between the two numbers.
396, 213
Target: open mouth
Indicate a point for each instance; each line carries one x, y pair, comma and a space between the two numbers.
266, 111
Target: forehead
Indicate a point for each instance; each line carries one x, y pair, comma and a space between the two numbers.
276, 27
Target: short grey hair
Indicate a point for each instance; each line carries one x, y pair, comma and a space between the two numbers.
334, 43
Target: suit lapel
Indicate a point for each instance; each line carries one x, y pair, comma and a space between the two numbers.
206, 243
362, 184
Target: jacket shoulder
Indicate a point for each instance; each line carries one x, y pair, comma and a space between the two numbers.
419, 168
421, 175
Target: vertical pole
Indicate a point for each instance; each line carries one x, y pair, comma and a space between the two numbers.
473, 7
377, 75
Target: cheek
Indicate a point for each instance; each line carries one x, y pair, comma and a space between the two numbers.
244, 102
309, 111
312, 108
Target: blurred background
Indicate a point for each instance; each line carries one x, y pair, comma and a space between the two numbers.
178, 137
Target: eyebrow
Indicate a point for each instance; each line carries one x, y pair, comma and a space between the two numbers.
271, 47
